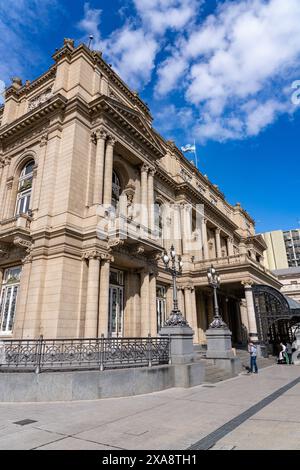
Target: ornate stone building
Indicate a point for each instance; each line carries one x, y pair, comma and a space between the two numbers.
76, 138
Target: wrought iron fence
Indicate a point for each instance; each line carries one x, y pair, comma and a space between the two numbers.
83, 353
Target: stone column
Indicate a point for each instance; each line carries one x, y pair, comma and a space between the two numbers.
218, 243
185, 216
151, 199
204, 239
145, 297
191, 312
144, 196
250, 310
176, 229
229, 246
92, 298
104, 295
108, 171
180, 300
187, 305
99, 166
194, 316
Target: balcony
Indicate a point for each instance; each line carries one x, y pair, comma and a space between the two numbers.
122, 230
231, 261
18, 225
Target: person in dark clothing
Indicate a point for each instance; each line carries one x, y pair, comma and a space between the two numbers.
289, 352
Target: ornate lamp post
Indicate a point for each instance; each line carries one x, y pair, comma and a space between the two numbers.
173, 265
214, 281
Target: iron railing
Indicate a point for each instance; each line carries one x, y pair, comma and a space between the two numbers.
83, 353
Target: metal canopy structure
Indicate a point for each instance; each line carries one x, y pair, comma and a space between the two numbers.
276, 316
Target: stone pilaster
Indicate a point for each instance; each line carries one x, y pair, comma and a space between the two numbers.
144, 195
229, 241
108, 171
204, 239
99, 166
152, 305
38, 174
104, 295
92, 298
23, 294
151, 199
145, 297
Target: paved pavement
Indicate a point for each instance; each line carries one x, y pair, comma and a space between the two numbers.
251, 411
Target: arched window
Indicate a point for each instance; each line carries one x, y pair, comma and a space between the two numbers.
116, 189
24, 189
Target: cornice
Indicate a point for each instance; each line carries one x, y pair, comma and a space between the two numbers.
27, 88
26, 121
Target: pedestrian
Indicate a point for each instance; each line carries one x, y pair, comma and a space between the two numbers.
282, 353
289, 352
253, 353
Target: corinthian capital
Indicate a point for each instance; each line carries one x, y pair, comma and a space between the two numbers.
111, 140
247, 283
152, 171
100, 133
144, 168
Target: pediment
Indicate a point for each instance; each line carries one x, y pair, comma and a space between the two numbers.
136, 120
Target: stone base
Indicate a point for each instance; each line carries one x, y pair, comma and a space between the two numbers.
219, 343
232, 365
92, 385
182, 349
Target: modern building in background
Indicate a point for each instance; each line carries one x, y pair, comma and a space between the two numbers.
282, 257
78, 138
283, 249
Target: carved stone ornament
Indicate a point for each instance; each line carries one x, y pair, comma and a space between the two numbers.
115, 242
92, 254
40, 99
18, 241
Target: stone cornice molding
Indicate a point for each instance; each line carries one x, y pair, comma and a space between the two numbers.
56, 103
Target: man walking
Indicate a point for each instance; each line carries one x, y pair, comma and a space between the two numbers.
253, 353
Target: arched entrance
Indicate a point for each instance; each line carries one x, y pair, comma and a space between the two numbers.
276, 316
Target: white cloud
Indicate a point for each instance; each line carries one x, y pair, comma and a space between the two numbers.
132, 49
246, 50
160, 15
132, 53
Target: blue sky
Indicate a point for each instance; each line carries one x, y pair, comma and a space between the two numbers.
220, 72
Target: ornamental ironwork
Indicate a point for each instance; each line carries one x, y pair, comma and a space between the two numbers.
276, 318
87, 353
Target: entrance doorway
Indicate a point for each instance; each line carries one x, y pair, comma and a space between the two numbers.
116, 304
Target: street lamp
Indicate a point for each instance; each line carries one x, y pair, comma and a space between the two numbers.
173, 265
214, 281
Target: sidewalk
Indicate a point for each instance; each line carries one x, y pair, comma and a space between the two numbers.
172, 419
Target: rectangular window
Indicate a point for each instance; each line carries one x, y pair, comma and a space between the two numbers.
8, 299
23, 202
